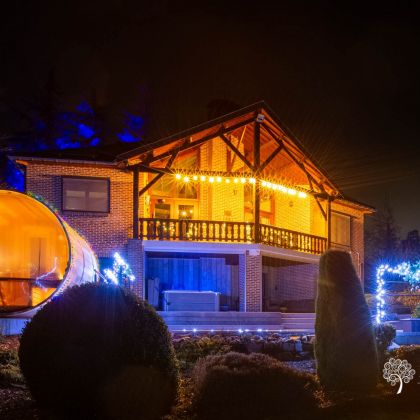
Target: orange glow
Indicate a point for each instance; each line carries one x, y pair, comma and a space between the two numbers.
34, 251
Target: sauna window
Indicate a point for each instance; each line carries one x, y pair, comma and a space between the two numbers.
86, 194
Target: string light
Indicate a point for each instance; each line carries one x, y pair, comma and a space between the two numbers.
119, 272
410, 272
227, 180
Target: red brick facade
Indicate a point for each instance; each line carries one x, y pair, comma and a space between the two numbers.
106, 232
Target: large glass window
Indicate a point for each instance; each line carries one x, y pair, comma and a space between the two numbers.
86, 194
340, 229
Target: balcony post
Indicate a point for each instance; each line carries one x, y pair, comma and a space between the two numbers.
328, 222
136, 202
257, 233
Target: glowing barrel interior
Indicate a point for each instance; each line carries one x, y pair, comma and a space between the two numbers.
39, 254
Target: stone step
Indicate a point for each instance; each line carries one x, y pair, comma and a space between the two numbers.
309, 315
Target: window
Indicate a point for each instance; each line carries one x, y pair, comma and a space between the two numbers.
340, 229
86, 194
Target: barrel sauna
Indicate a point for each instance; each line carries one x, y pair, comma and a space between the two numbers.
40, 255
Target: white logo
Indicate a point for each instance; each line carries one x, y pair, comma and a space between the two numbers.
396, 370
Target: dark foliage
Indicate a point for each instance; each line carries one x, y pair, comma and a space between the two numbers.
99, 349
255, 386
345, 348
189, 350
384, 334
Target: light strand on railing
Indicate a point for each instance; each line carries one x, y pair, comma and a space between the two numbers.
217, 179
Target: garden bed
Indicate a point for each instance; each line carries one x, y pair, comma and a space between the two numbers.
16, 402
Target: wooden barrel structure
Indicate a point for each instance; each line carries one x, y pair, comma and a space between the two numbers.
40, 255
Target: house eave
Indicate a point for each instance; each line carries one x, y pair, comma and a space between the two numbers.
24, 159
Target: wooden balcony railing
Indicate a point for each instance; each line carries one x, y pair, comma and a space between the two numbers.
217, 231
284, 238
196, 230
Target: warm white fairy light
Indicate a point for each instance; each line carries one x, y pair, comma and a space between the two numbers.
228, 180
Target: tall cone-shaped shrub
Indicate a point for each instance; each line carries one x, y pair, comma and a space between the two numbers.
345, 348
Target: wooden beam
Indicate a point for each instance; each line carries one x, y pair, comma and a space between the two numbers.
290, 154
150, 184
324, 214
257, 143
237, 152
303, 169
328, 223
268, 160
195, 143
232, 163
136, 203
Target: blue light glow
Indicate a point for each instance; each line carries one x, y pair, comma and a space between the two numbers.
120, 271
84, 108
410, 272
127, 137
14, 176
86, 131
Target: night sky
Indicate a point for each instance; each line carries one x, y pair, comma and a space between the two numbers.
343, 76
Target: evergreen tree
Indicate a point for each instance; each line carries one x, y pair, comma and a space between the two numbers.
382, 243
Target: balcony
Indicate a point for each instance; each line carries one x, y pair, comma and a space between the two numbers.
219, 231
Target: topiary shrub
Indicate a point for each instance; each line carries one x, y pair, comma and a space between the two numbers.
384, 335
254, 386
345, 349
99, 349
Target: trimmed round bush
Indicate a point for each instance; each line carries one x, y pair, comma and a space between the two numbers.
99, 349
254, 386
345, 348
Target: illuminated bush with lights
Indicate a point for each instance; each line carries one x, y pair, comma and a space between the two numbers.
98, 349
345, 348
255, 386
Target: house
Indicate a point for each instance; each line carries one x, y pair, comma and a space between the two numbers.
234, 208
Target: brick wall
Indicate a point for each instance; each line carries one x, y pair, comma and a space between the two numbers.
253, 274
107, 232
242, 282
288, 280
136, 259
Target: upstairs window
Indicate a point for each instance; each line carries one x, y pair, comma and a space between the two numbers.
340, 229
86, 194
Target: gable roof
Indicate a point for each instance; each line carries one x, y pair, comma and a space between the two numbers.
273, 130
